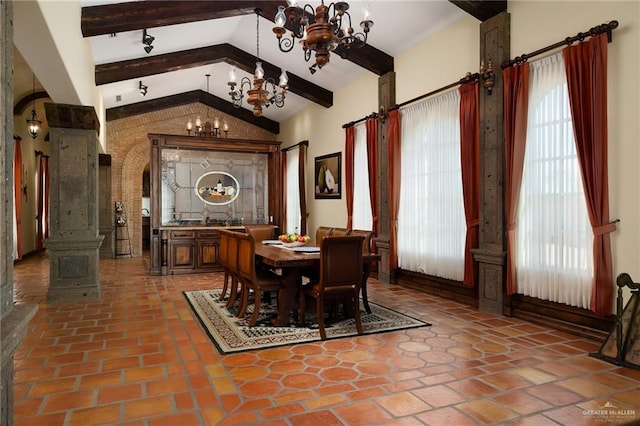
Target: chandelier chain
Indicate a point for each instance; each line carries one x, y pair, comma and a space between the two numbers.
257, 34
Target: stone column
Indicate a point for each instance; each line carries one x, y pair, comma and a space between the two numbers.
14, 319
74, 242
386, 99
494, 46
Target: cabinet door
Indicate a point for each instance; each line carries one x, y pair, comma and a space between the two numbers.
181, 254
207, 254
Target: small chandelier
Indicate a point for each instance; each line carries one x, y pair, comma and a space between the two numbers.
207, 129
257, 94
324, 34
33, 124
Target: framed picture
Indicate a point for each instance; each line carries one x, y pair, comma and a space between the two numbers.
327, 176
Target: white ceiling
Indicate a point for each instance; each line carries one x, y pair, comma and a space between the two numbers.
398, 25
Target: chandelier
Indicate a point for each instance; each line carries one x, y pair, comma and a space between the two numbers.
257, 94
33, 123
207, 129
330, 30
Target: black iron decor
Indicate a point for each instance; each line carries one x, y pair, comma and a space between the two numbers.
622, 346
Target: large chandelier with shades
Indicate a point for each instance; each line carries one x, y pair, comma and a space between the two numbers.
321, 31
257, 93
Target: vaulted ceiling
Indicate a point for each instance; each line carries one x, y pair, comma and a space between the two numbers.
195, 38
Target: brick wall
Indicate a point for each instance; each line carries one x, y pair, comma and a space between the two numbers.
128, 145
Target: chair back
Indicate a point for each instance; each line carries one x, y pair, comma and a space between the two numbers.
340, 231
366, 244
246, 258
223, 250
232, 252
341, 263
261, 232
321, 232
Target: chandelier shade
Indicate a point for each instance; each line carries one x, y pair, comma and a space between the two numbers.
261, 92
328, 31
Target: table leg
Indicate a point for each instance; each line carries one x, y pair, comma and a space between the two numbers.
287, 296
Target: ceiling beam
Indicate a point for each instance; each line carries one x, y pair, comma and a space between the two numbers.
158, 64
194, 96
138, 15
481, 9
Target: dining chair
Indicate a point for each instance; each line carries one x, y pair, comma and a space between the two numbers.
340, 278
366, 269
223, 253
261, 232
232, 261
253, 278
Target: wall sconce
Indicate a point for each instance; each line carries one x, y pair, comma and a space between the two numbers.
147, 40
487, 75
143, 89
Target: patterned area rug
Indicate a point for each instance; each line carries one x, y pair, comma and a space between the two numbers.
231, 334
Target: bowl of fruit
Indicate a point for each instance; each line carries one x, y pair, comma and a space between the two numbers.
294, 239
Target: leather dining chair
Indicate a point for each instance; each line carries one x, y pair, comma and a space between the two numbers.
257, 279
340, 278
232, 261
366, 249
261, 232
223, 253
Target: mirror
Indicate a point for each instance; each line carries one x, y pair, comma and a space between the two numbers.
217, 188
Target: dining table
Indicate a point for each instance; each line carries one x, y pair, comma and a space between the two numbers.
291, 263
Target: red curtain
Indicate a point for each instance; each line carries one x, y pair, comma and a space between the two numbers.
349, 148
470, 163
586, 67
516, 101
372, 166
17, 191
302, 159
393, 140
283, 186
40, 201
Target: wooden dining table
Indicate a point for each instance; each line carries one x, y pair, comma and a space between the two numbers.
291, 263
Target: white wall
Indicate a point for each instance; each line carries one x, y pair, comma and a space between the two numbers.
448, 55
61, 59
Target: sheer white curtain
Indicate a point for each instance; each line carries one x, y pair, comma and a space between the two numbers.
362, 216
292, 209
553, 233
431, 222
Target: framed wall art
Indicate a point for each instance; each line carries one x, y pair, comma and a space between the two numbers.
328, 176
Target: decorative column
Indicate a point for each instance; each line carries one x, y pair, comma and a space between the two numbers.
386, 99
494, 46
14, 319
74, 242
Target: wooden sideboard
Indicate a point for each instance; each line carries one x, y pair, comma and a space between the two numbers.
186, 250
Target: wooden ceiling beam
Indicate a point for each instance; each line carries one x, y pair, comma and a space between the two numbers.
194, 96
481, 9
158, 64
137, 15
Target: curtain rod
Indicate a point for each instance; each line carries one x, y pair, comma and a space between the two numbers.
607, 27
305, 143
466, 79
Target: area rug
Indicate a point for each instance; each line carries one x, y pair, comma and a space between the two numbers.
231, 334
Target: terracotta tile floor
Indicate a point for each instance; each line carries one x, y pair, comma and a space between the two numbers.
139, 356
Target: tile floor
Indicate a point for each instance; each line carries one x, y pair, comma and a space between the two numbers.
139, 357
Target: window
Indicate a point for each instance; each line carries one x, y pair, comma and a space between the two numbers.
553, 235
362, 217
431, 221
292, 208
